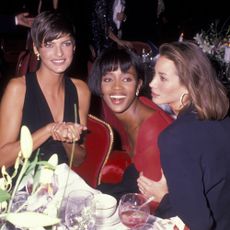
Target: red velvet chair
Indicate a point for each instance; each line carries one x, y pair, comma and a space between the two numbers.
27, 60
118, 160
138, 47
115, 166
148, 47
98, 143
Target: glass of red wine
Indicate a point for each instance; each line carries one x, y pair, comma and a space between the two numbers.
132, 211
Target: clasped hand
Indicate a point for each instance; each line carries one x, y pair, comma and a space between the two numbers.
67, 131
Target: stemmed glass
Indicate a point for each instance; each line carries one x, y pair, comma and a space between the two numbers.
19, 201
18, 205
80, 210
131, 211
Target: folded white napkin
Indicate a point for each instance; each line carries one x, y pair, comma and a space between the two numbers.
169, 224
69, 181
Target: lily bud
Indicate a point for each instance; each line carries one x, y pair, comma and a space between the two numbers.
26, 142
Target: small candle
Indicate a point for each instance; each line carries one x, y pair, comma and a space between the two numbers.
227, 53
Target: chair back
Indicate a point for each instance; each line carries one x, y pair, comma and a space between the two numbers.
138, 47
118, 128
98, 145
148, 48
27, 60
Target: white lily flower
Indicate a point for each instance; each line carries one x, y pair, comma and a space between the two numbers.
26, 142
53, 160
47, 174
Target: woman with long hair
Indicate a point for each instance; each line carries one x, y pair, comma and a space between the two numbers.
195, 148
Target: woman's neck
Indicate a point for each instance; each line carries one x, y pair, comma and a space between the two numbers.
132, 119
50, 83
49, 77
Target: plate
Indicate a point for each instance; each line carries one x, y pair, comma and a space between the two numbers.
114, 219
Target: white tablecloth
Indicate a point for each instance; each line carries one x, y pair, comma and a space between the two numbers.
75, 182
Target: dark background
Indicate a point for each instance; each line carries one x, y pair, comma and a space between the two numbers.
180, 16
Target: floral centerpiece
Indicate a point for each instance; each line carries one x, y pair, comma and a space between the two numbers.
33, 197
26, 203
215, 42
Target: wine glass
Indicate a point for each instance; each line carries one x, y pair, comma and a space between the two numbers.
130, 209
18, 201
80, 210
18, 205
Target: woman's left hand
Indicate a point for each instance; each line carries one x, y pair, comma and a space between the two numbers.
150, 187
67, 131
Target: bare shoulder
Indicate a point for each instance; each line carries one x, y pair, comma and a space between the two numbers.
13, 96
16, 85
81, 86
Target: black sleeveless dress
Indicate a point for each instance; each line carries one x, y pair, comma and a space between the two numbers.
36, 114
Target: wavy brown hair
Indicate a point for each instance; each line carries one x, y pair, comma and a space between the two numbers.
206, 92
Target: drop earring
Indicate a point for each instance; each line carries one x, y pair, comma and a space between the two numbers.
137, 92
38, 56
182, 99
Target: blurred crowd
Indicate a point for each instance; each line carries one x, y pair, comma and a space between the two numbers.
156, 21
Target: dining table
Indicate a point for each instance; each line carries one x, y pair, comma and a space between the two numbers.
76, 182
114, 223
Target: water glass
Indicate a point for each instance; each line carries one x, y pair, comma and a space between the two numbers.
80, 211
19, 200
130, 209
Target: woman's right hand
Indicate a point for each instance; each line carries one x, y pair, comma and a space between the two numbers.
150, 187
66, 131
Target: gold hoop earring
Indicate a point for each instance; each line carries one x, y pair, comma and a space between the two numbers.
38, 56
137, 92
182, 99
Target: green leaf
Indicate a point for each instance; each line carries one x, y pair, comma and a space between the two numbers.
33, 163
36, 181
31, 219
4, 195
30, 171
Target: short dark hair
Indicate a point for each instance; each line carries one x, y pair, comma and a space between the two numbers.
50, 25
110, 60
